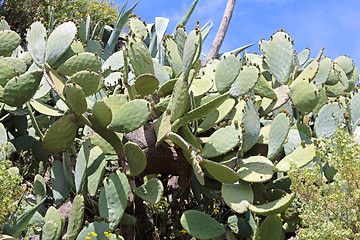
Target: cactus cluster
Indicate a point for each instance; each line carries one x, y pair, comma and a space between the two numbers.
240, 122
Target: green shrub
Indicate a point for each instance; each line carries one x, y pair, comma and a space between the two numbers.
10, 189
330, 209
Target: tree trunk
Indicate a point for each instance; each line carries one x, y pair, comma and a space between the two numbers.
219, 38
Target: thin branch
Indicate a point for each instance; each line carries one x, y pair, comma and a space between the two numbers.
219, 38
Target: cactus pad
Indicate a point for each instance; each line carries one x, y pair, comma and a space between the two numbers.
263, 88
245, 81
9, 40
278, 133
130, 116
20, 89
238, 196
279, 56
199, 112
113, 197
345, 63
151, 191
328, 120
274, 207
6, 73
226, 72
61, 134
304, 95
76, 217
323, 71
222, 141
256, 169
36, 37
140, 57
270, 229
60, 188
75, 97
200, 225
59, 41
79, 62
136, 159
146, 84
87, 80
300, 157
17, 63
191, 49
138, 28
173, 55
220, 172
102, 112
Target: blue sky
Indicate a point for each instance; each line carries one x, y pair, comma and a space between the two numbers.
332, 24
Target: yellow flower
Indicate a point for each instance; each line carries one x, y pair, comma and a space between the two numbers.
216, 210
183, 231
94, 234
87, 237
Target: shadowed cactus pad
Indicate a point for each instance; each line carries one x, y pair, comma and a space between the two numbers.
200, 225
220, 172
151, 191
238, 196
136, 159
274, 207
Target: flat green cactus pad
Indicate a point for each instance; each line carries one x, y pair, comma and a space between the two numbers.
136, 158
256, 169
61, 134
114, 62
59, 41
323, 71
226, 72
244, 82
274, 207
303, 56
200, 86
199, 112
217, 115
45, 109
6, 73
263, 88
300, 157
220, 172
17, 63
95, 227
49, 230
173, 55
334, 76
270, 229
79, 62
138, 28
304, 95
75, 97
87, 80
201, 225
146, 84
76, 217
346, 63
278, 133
238, 196
251, 122
20, 89
9, 40
95, 169
222, 141
330, 117
113, 197
179, 99
191, 50
282, 93
60, 188
53, 215
102, 112
279, 56
140, 57
130, 116
151, 191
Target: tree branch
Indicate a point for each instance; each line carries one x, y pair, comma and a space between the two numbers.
219, 38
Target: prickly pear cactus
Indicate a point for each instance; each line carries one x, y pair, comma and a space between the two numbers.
138, 131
